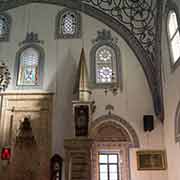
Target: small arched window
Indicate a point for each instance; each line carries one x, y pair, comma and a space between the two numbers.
105, 65
174, 36
29, 71
4, 27
68, 24
105, 61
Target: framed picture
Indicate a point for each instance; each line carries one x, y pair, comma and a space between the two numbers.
151, 160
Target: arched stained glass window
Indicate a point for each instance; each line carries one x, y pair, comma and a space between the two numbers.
4, 27
105, 61
68, 24
29, 66
105, 65
174, 36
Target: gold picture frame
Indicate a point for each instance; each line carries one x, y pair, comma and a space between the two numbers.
151, 160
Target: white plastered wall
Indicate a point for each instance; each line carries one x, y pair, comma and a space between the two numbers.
61, 59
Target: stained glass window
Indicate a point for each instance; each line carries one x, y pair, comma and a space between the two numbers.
174, 36
28, 67
68, 24
105, 65
105, 61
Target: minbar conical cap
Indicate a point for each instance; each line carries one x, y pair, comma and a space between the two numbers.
84, 92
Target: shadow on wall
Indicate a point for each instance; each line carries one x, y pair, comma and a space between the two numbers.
62, 125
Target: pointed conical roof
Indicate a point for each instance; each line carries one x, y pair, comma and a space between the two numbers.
83, 80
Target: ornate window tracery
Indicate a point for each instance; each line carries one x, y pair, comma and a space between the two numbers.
105, 65
173, 36
105, 61
4, 27
68, 24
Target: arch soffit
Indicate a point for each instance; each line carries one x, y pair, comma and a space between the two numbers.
120, 122
142, 56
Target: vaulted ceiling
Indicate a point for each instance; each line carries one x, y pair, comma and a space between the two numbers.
137, 21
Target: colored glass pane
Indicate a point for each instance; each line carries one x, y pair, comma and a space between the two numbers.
28, 69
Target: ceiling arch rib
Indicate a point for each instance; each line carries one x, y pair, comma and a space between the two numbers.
141, 44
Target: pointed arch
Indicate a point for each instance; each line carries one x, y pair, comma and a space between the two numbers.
124, 128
